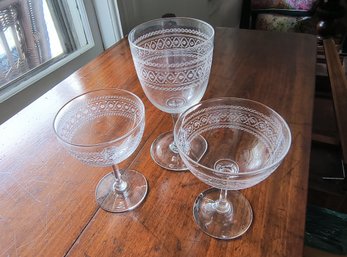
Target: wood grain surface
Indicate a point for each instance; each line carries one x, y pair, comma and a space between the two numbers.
338, 83
47, 205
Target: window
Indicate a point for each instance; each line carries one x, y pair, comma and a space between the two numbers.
37, 37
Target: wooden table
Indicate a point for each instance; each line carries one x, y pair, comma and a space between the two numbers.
47, 205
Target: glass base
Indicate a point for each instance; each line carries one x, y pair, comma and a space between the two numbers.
222, 225
166, 158
130, 198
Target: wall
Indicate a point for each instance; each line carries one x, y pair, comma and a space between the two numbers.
216, 12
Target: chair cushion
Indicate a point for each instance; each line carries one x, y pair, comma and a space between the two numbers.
283, 4
277, 22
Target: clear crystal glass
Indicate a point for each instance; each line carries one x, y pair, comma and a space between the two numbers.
103, 128
247, 141
173, 58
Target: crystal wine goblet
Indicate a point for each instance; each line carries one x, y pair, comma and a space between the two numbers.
173, 58
247, 141
103, 128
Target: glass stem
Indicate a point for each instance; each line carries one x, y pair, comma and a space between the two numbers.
174, 117
222, 204
119, 185
173, 146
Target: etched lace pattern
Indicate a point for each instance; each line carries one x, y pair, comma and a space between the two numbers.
173, 31
111, 155
174, 62
177, 80
263, 127
236, 183
94, 108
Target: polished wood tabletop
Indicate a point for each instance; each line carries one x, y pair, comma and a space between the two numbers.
47, 201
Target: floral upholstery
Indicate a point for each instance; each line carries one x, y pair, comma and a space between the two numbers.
277, 22
304, 5
268, 19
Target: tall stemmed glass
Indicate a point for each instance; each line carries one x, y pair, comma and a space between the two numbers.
173, 58
247, 141
103, 128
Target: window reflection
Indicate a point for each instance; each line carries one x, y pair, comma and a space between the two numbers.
35, 34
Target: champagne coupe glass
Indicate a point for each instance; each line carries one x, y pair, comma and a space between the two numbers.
246, 142
103, 128
173, 58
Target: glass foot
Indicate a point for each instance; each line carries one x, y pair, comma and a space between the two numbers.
164, 154
130, 198
222, 225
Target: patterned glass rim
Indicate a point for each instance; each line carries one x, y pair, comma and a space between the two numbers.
134, 45
142, 109
219, 99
